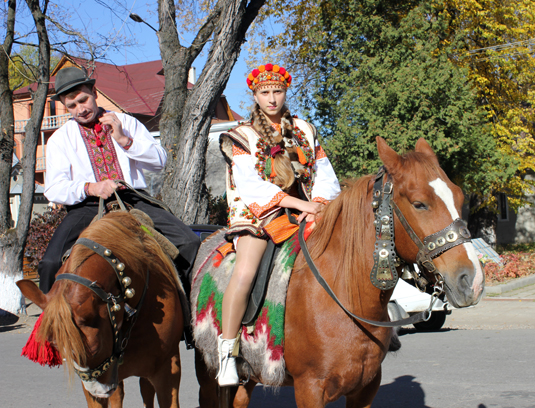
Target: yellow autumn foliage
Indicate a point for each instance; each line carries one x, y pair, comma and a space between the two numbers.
499, 38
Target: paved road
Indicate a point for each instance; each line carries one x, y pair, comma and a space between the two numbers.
482, 358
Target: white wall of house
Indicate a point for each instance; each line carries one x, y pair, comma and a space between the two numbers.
518, 227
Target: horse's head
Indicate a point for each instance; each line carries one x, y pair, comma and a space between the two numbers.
84, 313
76, 321
430, 202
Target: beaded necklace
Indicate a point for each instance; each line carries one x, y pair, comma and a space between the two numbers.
263, 153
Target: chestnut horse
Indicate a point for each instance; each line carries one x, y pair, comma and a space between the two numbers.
328, 354
115, 312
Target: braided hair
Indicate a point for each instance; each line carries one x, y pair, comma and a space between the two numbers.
282, 165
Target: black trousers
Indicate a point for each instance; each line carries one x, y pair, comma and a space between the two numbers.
79, 216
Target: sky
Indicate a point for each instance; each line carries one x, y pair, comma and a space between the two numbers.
95, 17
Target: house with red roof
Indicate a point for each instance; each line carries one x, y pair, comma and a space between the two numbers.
135, 89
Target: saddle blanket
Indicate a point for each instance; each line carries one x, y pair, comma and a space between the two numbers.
262, 343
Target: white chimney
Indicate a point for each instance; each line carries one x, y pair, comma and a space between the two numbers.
192, 76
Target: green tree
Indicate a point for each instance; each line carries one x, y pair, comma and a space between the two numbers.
383, 70
24, 66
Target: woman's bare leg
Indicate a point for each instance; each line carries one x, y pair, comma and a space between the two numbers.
249, 253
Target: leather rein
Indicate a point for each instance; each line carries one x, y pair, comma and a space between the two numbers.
384, 275
113, 303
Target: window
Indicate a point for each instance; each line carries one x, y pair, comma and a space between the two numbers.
52, 108
503, 207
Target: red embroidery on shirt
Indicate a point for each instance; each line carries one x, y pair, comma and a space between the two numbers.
320, 153
237, 151
320, 200
102, 153
259, 210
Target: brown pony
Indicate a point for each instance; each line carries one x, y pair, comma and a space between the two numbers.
329, 354
77, 321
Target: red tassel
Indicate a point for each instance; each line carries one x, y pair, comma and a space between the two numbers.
40, 352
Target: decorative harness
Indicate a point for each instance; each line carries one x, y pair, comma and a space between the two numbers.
120, 340
385, 260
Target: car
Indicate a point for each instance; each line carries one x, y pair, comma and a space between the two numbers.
203, 231
407, 300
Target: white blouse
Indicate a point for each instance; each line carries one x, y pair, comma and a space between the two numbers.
68, 166
263, 197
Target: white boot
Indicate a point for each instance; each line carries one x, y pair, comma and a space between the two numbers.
227, 375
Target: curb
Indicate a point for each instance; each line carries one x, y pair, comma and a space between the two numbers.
509, 286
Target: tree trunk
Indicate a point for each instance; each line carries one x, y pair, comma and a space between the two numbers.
12, 241
482, 223
186, 115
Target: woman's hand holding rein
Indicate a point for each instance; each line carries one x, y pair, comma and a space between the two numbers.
308, 209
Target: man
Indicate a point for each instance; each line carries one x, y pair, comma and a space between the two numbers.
86, 156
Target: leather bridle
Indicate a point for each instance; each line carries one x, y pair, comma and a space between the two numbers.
113, 302
384, 274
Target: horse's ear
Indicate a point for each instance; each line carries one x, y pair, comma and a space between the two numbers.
30, 290
423, 147
388, 156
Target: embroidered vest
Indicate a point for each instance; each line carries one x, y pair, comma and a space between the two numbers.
248, 139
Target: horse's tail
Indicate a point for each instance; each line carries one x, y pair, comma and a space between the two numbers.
58, 327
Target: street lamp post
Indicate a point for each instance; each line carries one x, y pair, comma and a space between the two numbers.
138, 19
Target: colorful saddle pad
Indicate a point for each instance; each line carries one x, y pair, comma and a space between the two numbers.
262, 343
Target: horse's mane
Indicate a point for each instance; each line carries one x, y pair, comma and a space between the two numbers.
353, 205
121, 233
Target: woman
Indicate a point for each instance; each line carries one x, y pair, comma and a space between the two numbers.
275, 162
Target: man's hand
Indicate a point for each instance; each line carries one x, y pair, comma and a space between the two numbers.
103, 189
110, 119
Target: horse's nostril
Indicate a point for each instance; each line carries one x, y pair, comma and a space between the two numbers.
464, 280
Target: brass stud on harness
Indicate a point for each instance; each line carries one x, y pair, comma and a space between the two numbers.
107, 252
441, 241
116, 307
120, 267
130, 293
431, 246
385, 220
375, 204
127, 281
465, 233
451, 236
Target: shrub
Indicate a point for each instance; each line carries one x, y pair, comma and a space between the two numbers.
515, 265
42, 227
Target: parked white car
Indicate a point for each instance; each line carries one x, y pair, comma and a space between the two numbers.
408, 300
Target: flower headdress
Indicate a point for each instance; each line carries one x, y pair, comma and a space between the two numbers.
268, 75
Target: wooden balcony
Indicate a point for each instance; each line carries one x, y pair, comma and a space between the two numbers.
40, 163
49, 123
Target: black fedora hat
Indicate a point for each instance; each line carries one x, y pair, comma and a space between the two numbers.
68, 78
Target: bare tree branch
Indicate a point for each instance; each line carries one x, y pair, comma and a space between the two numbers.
205, 32
74, 33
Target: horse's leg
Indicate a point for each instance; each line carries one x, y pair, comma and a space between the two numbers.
147, 392
166, 383
364, 398
116, 399
243, 396
308, 393
93, 402
208, 388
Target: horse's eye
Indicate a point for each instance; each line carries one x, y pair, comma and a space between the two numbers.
419, 206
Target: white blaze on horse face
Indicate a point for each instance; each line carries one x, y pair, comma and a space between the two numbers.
446, 195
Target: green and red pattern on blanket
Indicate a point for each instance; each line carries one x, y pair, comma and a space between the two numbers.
262, 343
